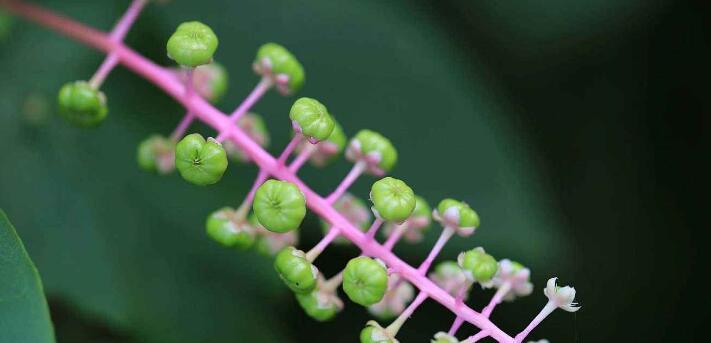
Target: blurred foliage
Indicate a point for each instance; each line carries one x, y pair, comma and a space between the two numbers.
23, 309
125, 252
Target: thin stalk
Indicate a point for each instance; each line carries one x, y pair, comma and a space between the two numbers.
547, 310
447, 233
262, 87
332, 233
184, 124
352, 176
395, 236
395, 326
333, 283
458, 321
475, 338
243, 209
374, 228
290, 148
496, 299
302, 157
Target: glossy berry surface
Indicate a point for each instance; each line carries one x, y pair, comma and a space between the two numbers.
393, 199
311, 118
276, 62
279, 206
365, 280
199, 161
295, 270
192, 44
82, 105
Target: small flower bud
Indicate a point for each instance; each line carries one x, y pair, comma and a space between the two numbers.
192, 44
354, 210
82, 105
374, 333
199, 161
450, 277
393, 199
365, 280
295, 270
563, 297
311, 118
279, 205
376, 150
156, 154
277, 63
457, 215
270, 243
443, 337
478, 266
226, 228
517, 276
253, 125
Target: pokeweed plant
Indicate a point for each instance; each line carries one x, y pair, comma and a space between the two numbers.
377, 278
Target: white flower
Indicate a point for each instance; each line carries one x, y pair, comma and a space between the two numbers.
563, 297
516, 276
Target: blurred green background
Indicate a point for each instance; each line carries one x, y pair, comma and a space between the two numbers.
571, 127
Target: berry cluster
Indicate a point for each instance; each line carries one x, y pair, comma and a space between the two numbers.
273, 210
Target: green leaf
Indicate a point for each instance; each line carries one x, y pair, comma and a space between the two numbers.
24, 316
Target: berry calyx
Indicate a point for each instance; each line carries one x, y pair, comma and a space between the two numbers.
82, 105
457, 215
279, 205
365, 280
225, 227
311, 118
192, 44
377, 151
156, 154
199, 161
478, 266
295, 270
393, 199
277, 63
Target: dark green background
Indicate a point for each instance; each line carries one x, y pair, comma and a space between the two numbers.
572, 128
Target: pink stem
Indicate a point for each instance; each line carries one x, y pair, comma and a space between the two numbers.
117, 34
302, 157
548, 309
189, 117
212, 117
397, 323
455, 326
247, 202
374, 228
496, 299
458, 320
290, 148
321, 246
441, 241
353, 175
262, 87
395, 236
479, 336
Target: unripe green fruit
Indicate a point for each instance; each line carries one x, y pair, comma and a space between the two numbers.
192, 44
463, 216
226, 228
320, 304
156, 154
82, 105
375, 149
295, 270
326, 151
199, 161
273, 60
279, 205
374, 333
478, 265
312, 119
442, 337
393, 199
365, 280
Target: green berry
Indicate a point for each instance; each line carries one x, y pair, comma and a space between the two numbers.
192, 44
355, 210
295, 270
156, 154
374, 149
199, 161
443, 337
327, 151
211, 81
279, 205
478, 265
5, 24
311, 119
365, 280
82, 105
321, 304
374, 333
253, 125
273, 60
225, 227
393, 199
458, 215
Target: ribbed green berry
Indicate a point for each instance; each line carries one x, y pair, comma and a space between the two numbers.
468, 218
199, 161
355, 210
375, 149
225, 227
365, 280
443, 337
393, 199
478, 265
82, 105
279, 205
311, 118
327, 150
320, 304
156, 154
295, 270
5, 24
192, 44
374, 333
274, 60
